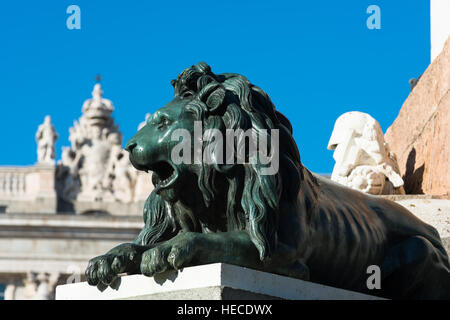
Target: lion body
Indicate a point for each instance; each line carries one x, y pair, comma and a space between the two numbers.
350, 231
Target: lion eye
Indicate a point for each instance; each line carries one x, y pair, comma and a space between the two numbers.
163, 123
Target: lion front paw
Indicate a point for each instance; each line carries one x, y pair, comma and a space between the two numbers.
102, 271
175, 253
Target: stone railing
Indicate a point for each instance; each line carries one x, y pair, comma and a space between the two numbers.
28, 189
13, 182
31, 189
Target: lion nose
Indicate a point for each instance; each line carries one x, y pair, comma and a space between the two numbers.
130, 146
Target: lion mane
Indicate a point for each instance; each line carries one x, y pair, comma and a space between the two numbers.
230, 101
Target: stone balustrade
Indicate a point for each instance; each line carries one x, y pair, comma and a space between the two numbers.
29, 189
13, 181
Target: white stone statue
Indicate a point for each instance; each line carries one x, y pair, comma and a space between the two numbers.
46, 137
46, 287
124, 175
30, 284
91, 168
363, 160
34, 286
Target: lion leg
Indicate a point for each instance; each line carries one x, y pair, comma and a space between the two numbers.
297, 270
237, 248
285, 262
415, 269
192, 248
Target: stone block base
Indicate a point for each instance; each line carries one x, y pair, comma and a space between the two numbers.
210, 282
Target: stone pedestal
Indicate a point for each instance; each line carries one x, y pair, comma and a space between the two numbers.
210, 282
435, 212
41, 184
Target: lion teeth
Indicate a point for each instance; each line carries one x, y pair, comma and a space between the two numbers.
166, 181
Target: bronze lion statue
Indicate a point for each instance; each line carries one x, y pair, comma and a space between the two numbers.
293, 222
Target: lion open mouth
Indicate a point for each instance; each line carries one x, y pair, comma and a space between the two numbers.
164, 174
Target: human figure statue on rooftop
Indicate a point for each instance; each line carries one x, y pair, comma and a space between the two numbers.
46, 137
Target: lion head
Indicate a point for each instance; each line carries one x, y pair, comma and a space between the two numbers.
215, 196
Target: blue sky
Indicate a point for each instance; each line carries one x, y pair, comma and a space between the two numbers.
316, 59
